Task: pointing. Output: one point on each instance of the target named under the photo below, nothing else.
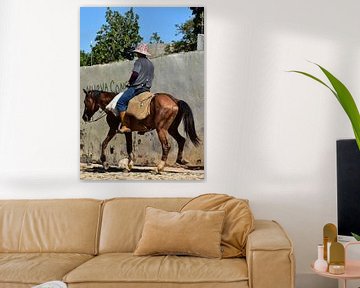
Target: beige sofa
(89, 243)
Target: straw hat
(142, 49)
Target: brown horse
(166, 113)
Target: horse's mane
(98, 92)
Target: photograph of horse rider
(139, 82)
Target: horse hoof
(182, 162)
(131, 164)
(160, 167)
(106, 165)
(124, 164)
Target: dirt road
(97, 172)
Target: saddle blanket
(139, 106)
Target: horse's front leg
(129, 149)
(104, 144)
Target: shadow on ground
(141, 169)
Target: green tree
(85, 59)
(155, 38)
(117, 37)
(198, 20)
(190, 29)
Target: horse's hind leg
(169, 116)
(173, 131)
(162, 133)
(129, 149)
(104, 144)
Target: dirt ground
(97, 172)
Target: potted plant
(346, 100)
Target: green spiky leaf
(356, 236)
(344, 97)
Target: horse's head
(91, 105)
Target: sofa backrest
(67, 226)
(123, 220)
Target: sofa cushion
(238, 223)
(127, 268)
(123, 220)
(63, 226)
(193, 232)
(36, 268)
(15, 285)
(236, 284)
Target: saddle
(139, 106)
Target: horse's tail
(188, 119)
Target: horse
(166, 114)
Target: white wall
(270, 135)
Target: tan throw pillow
(239, 220)
(196, 233)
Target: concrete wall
(157, 49)
(181, 75)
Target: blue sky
(151, 19)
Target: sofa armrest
(269, 256)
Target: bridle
(103, 113)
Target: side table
(352, 268)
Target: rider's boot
(123, 128)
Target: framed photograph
(142, 93)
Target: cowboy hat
(142, 49)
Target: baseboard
(310, 280)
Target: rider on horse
(139, 82)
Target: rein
(102, 115)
